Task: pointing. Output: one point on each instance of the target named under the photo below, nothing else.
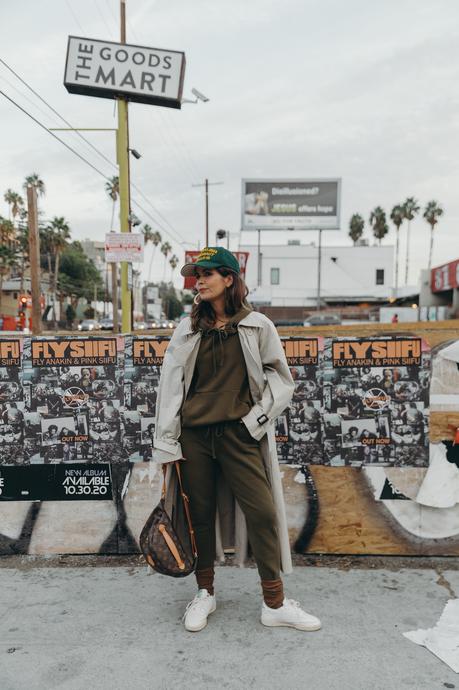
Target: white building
(286, 275)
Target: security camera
(134, 220)
(199, 95)
(135, 153)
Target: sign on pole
(110, 70)
(123, 246)
(287, 204)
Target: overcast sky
(357, 89)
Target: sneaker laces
(198, 599)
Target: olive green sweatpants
(229, 448)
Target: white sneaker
(291, 615)
(197, 611)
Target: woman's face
(210, 284)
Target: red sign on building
(191, 257)
(445, 277)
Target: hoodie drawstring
(214, 431)
(220, 335)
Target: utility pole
(34, 253)
(207, 184)
(319, 270)
(122, 147)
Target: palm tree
(397, 216)
(431, 214)
(410, 209)
(7, 232)
(35, 180)
(378, 223)
(59, 234)
(14, 201)
(156, 239)
(165, 249)
(113, 190)
(8, 260)
(356, 226)
(173, 261)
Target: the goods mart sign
(123, 246)
(110, 70)
(445, 277)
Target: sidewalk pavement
(97, 628)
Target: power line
(23, 81)
(74, 15)
(54, 135)
(83, 138)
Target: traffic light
(23, 303)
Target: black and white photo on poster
(298, 429)
(378, 388)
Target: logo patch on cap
(207, 254)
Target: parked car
(106, 324)
(89, 325)
(322, 319)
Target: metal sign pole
(319, 269)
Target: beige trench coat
(271, 386)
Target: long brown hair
(203, 315)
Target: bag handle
(186, 502)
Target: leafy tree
(70, 315)
(397, 216)
(171, 304)
(7, 233)
(410, 210)
(356, 226)
(78, 275)
(113, 190)
(378, 223)
(432, 212)
(89, 312)
(8, 261)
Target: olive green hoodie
(219, 390)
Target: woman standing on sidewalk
(224, 381)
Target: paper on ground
(443, 639)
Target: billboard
(290, 204)
(110, 70)
(192, 256)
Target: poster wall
(357, 402)
(92, 400)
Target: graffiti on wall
(375, 508)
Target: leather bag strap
(186, 502)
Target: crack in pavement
(443, 582)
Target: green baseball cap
(213, 257)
